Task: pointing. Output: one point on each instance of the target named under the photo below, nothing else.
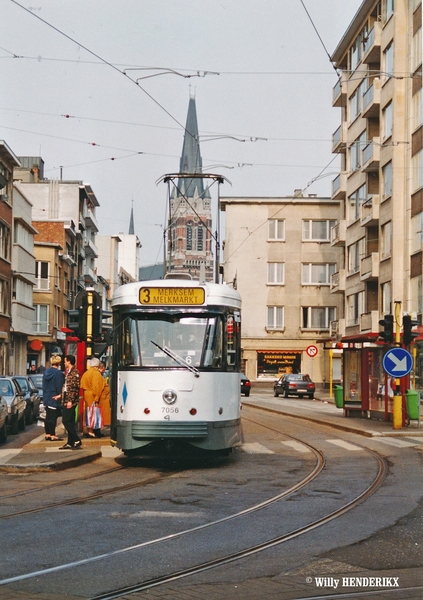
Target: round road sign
(312, 351)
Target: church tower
(190, 217)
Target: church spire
(191, 161)
(131, 221)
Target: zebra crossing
(296, 446)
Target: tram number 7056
(167, 410)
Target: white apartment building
(380, 185)
(277, 252)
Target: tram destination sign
(183, 296)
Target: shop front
(273, 364)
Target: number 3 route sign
(312, 351)
(397, 362)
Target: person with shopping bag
(92, 383)
(70, 400)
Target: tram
(176, 366)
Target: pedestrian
(53, 380)
(70, 400)
(92, 383)
(104, 402)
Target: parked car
(294, 384)
(3, 420)
(245, 385)
(37, 379)
(32, 397)
(16, 405)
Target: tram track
(230, 557)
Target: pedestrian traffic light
(408, 334)
(388, 329)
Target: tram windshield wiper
(178, 359)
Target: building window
(22, 292)
(417, 169)
(355, 202)
(355, 304)
(386, 239)
(317, 274)
(417, 110)
(416, 57)
(23, 237)
(42, 275)
(317, 231)
(388, 9)
(386, 298)
(388, 60)
(4, 297)
(417, 294)
(275, 316)
(4, 241)
(356, 100)
(41, 318)
(417, 232)
(387, 180)
(387, 121)
(318, 317)
(357, 48)
(276, 273)
(355, 254)
(356, 152)
(189, 236)
(277, 229)
(200, 231)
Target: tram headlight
(170, 396)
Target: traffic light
(407, 327)
(77, 322)
(388, 329)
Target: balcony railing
(371, 155)
(371, 45)
(370, 211)
(338, 233)
(339, 92)
(339, 186)
(337, 281)
(370, 321)
(371, 100)
(339, 139)
(369, 268)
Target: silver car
(16, 404)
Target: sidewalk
(40, 455)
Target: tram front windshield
(145, 340)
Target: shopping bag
(94, 417)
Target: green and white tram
(176, 366)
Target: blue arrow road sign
(397, 362)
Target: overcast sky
(265, 78)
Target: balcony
(339, 186)
(337, 281)
(90, 248)
(338, 233)
(370, 211)
(371, 156)
(371, 49)
(339, 139)
(369, 268)
(370, 321)
(90, 220)
(339, 92)
(371, 100)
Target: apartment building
(380, 184)
(277, 253)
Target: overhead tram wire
(320, 37)
(103, 60)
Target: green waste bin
(339, 396)
(413, 404)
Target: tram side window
(213, 343)
(232, 341)
(130, 354)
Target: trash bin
(413, 404)
(339, 396)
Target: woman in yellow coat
(92, 383)
(105, 397)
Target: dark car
(245, 385)
(37, 379)
(3, 420)
(294, 384)
(16, 405)
(32, 397)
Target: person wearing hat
(53, 380)
(92, 383)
